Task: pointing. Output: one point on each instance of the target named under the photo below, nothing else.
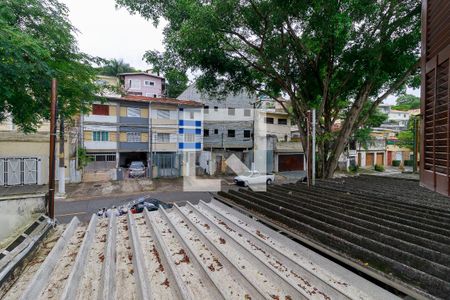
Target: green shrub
(408, 163)
(379, 168)
(396, 163)
(353, 168)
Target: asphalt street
(83, 209)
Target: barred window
(134, 112)
(163, 114)
(189, 137)
(133, 137)
(163, 137)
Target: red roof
(172, 101)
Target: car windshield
(136, 164)
(248, 173)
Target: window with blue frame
(100, 136)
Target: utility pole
(51, 173)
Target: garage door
(290, 162)
(369, 159)
(380, 159)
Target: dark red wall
(435, 129)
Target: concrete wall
(16, 212)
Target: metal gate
(168, 164)
(30, 171)
(13, 171)
(2, 171)
(18, 171)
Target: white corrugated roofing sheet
(203, 251)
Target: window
(149, 83)
(133, 137)
(100, 136)
(216, 108)
(206, 109)
(246, 112)
(231, 133)
(189, 137)
(163, 114)
(135, 84)
(216, 131)
(163, 137)
(282, 121)
(206, 132)
(247, 134)
(133, 112)
(100, 109)
(269, 120)
(231, 111)
(191, 115)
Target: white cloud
(108, 32)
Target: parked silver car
(136, 169)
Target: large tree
(407, 102)
(115, 66)
(37, 44)
(341, 57)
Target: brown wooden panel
(369, 159)
(290, 162)
(435, 106)
(380, 159)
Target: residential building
(397, 120)
(24, 158)
(143, 84)
(283, 154)
(228, 128)
(155, 131)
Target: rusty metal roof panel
(203, 251)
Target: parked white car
(254, 177)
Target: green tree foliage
(176, 78)
(37, 43)
(335, 56)
(115, 66)
(406, 137)
(362, 135)
(407, 102)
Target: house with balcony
(227, 130)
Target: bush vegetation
(379, 168)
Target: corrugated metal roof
(203, 251)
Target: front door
(380, 159)
(369, 159)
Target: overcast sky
(113, 33)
